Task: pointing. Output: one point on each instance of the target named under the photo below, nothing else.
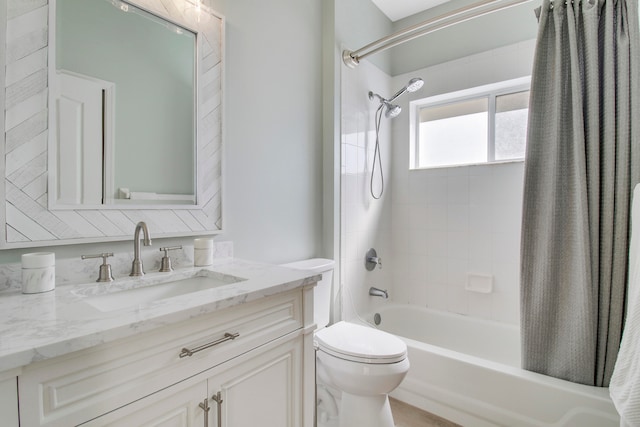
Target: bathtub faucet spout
(375, 292)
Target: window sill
(500, 162)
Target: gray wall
(360, 22)
(273, 170)
(273, 154)
(491, 31)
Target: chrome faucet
(136, 267)
(375, 292)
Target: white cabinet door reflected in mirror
(85, 124)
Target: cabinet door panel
(9, 402)
(174, 407)
(265, 391)
(272, 407)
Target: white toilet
(363, 363)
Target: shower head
(392, 110)
(413, 85)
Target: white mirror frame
(28, 221)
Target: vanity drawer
(75, 388)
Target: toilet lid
(360, 343)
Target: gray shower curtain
(582, 162)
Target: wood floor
(406, 415)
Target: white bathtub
(467, 370)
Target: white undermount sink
(148, 294)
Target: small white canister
(38, 272)
(202, 252)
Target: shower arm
(375, 95)
(413, 85)
(484, 7)
(397, 94)
(384, 102)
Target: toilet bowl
(363, 364)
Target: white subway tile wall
(470, 226)
(366, 223)
(431, 227)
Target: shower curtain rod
(352, 58)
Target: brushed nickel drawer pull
(227, 337)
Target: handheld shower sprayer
(390, 111)
(393, 110)
(413, 85)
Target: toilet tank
(322, 292)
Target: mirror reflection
(125, 96)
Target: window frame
(490, 91)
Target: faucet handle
(372, 259)
(375, 260)
(104, 274)
(165, 265)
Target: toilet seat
(361, 344)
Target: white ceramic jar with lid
(202, 252)
(38, 272)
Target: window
(480, 125)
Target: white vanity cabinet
(257, 355)
(260, 388)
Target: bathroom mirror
(109, 208)
(123, 98)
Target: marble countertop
(40, 326)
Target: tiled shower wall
(460, 221)
(431, 227)
(452, 222)
(366, 222)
